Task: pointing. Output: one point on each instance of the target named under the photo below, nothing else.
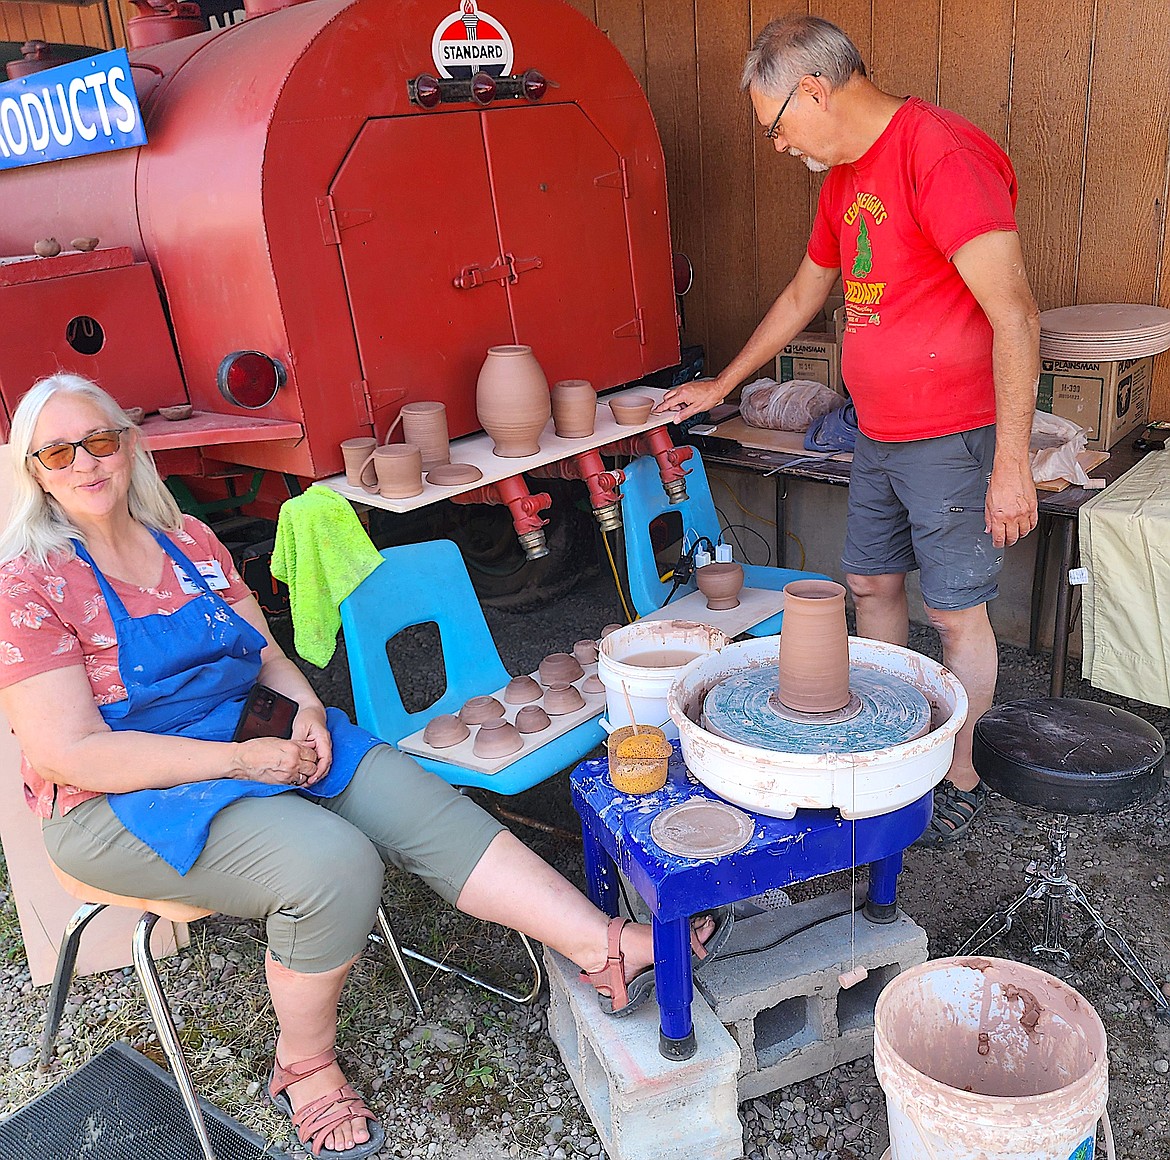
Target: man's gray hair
(791, 47)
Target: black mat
(121, 1106)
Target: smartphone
(266, 713)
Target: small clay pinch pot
(444, 731)
(176, 413)
(592, 684)
(497, 738)
(135, 414)
(557, 668)
(585, 652)
(84, 244)
(608, 629)
(630, 409)
(477, 710)
(561, 698)
(532, 719)
(522, 690)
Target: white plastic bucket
(987, 1059)
(646, 657)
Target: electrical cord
(685, 568)
(763, 519)
(630, 618)
(725, 955)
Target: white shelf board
(478, 450)
(755, 605)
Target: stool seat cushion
(1068, 756)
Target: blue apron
(188, 675)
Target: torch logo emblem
(468, 41)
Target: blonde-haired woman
(128, 644)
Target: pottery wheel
(742, 709)
(702, 829)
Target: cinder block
(645, 1107)
(775, 988)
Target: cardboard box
(1108, 399)
(813, 355)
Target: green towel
(322, 553)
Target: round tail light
(535, 86)
(249, 378)
(427, 91)
(483, 88)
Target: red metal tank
(293, 200)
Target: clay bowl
(135, 414)
(444, 731)
(585, 652)
(477, 710)
(522, 690)
(532, 719)
(608, 629)
(177, 412)
(497, 738)
(592, 684)
(560, 668)
(721, 584)
(561, 698)
(629, 410)
(84, 244)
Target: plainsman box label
(83, 107)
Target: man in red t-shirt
(940, 354)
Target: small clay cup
(497, 739)
(425, 425)
(585, 651)
(574, 408)
(444, 731)
(721, 584)
(532, 719)
(629, 410)
(398, 468)
(135, 414)
(177, 413)
(561, 698)
(608, 629)
(560, 668)
(522, 691)
(477, 710)
(355, 452)
(592, 684)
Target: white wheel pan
(860, 785)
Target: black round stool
(1066, 756)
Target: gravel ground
(482, 1080)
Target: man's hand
(693, 397)
(1011, 503)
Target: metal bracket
(506, 270)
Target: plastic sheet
(1056, 442)
(789, 406)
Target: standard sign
(73, 110)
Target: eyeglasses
(773, 130)
(101, 445)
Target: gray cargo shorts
(921, 505)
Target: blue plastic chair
(418, 583)
(643, 500)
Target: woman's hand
(275, 761)
(309, 729)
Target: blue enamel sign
(73, 110)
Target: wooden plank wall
(1076, 92)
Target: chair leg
(168, 1034)
(519, 1000)
(392, 945)
(63, 976)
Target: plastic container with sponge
(638, 760)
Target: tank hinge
(635, 328)
(334, 220)
(618, 179)
(362, 400)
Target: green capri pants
(310, 867)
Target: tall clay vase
(814, 647)
(512, 400)
(425, 425)
(574, 408)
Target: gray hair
(791, 47)
(37, 527)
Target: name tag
(212, 573)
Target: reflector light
(250, 378)
(483, 88)
(535, 86)
(427, 90)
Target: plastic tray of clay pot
(551, 696)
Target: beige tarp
(1125, 545)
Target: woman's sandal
(952, 814)
(704, 953)
(318, 1118)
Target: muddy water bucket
(647, 656)
(986, 1059)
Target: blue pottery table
(616, 831)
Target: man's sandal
(952, 814)
(318, 1118)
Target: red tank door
(560, 202)
(413, 209)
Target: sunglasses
(101, 445)
(773, 130)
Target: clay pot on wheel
(721, 584)
(814, 647)
(512, 400)
(574, 408)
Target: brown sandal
(623, 997)
(318, 1118)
